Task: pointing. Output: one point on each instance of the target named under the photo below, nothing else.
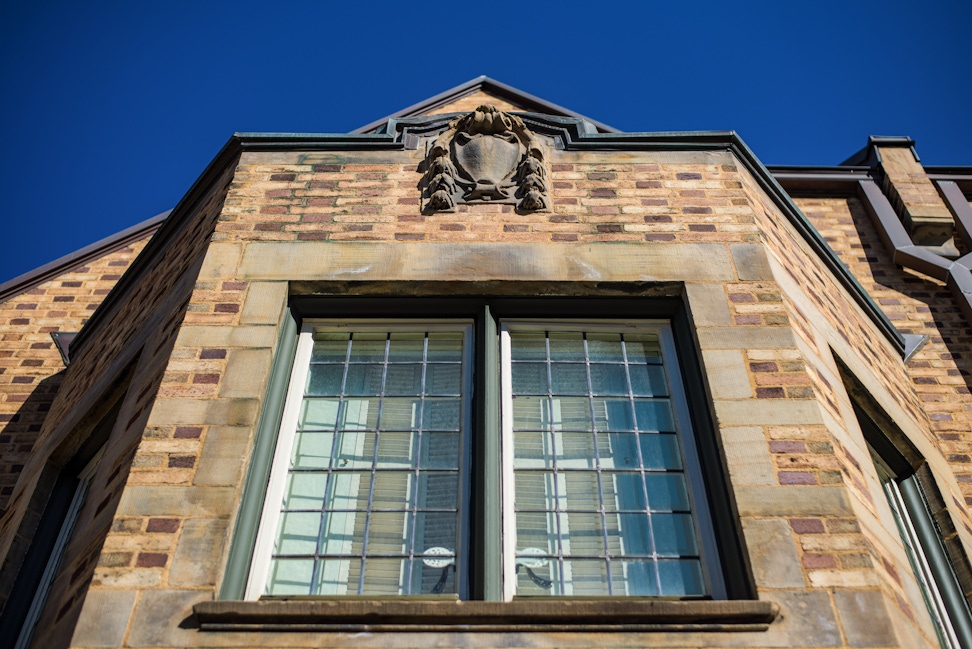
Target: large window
(389, 479)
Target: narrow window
(601, 499)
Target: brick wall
(30, 364)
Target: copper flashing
(516, 96)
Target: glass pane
(570, 413)
(438, 490)
(348, 490)
(539, 489)
(358, 414)
(528, 346)
(388, 533)
(441, 414)
(660, 451)
(329, 348)
(364, 380)
(384, 577)
(531, 413)
(655, 414)
(674, 534)
(582, 534)
(445, 346)
(638, 578)
(585, 578)
(613, 414)
(604, 347)
(443, 379)
(297, 533)
(399, 413)
(354, 450)
(338, 532)
(581, 491)
(537, 575)
(666, 492)
(623, 491)
(618, 450)
(290, 577)
(305, 490)
(435, 530)
(391, 490)
(536, 533)
(367, 348)
(642, 348)
(406, 347)
(681, 578)
(608, 379)
(568, 378)
(439, 451)
(404, 380)
(312, 450)
(337, 577)
(648, 381)
(529, 378)
(575, 450)
(320, 414)
(633, 534)
(431, 578)
(566, 346)
(532, 450)
(325, 380)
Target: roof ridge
(494, 87)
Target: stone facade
(187, 343)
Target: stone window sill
(596, 615)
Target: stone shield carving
(487, 156)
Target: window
(487, 458)
(922, 540)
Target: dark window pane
(608, 379)
(648, 381)
(654, 415)
(569, 378)
(324, 380)
(363, 380)
(529, 378)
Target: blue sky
(112, 109)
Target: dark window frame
(486, 312)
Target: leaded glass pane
(371, 500)
(601, 503)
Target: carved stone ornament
(487, 156)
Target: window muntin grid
(601, 504)
(370, 498)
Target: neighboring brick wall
(916, 304)
(30, 365)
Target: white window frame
(266, 534)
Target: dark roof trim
(29, 280)
(869, 156)
(571, 133)
(819, 180)
(514, 95)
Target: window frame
(621, 303)
(267, 531)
